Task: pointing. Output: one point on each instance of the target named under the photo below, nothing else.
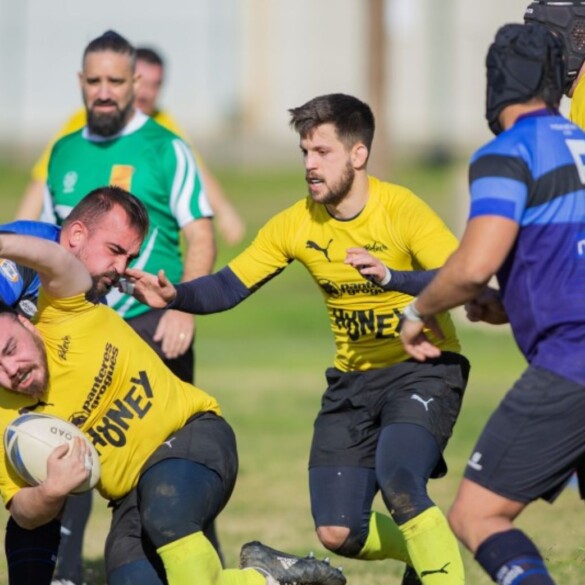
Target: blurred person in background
(120, 145)
(150, 70)
(526, 225)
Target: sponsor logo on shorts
(314, 246)
(474, 461)
(9, 270)
(69, 182)
(424, 402)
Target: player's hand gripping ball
(32, 437)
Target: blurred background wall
(236, 66)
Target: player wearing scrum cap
(526, 225)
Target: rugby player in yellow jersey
(105, 231)
(168, 458)
(385, 419)
(150, 70)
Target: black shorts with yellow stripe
(357, 405)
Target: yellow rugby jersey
(77, 121)
(109, 382)
(396, 227)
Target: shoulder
(392, 196)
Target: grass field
(265, 360)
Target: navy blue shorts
(534, 441)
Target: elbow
(475, 278)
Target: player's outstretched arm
(156, 291)
(62, 274)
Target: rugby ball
(32, 437)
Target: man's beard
(100, 289)
(107, 124)
(339, 190)
(38, 387)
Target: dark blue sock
(31, 554)
(510, 558)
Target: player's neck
(354, 202)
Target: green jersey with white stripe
(153, 164)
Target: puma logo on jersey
(443, 570)
(34, 407)
(315, 246)
(425, 403)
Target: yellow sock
(433, 549)
(193, 558)
(385, 540)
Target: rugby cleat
(285, 569)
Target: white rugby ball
(32, 437)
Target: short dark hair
(111, 41)
(149, 55)
(352, 118)
(100, 201)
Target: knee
(341, 540)
(332, 537)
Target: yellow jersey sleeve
(41, 168)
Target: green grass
(265, 362)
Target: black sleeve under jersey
(410, 282)
(210, 294)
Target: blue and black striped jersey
(534, 174)
(19, 285)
